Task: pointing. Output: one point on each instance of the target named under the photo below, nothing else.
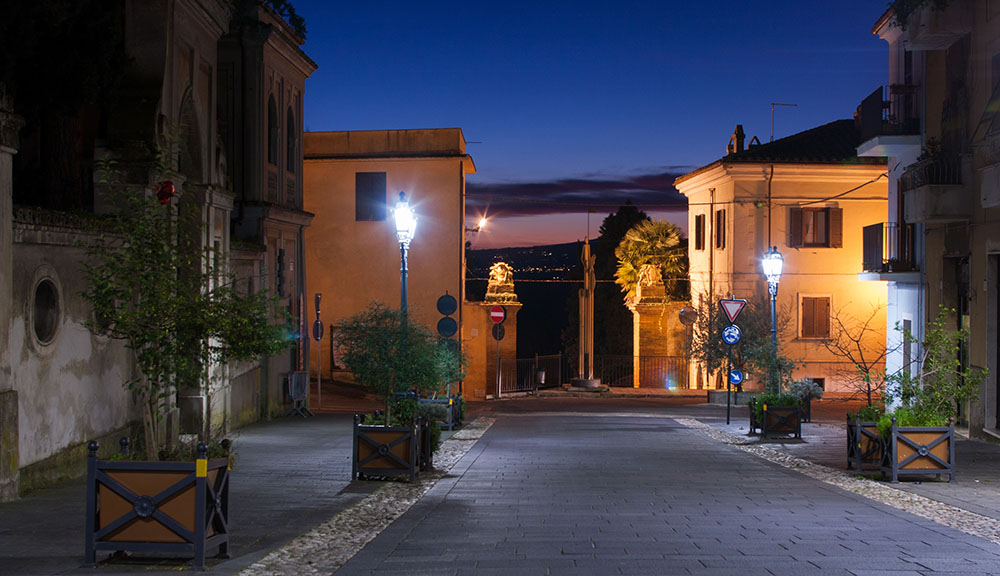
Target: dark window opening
(699, 232)
(720, 229)
(369, 196)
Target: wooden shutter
(699, 232)
(815, 317)
(836, 227)
(795, 227)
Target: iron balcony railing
(939, 169)
(888, 247)
(890, 110)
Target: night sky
(574, 107)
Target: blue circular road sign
(735, 376)
(731, 334)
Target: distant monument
(500, 288)
(585, 373)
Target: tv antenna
(773, 104)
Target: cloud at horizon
(571, 195)
(555, 211)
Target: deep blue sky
(577, 104)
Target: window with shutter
(720, 229)
(699, 232)
(815, 314)
(816, 227)
(369, 196)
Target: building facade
(937, 122)
(61, 385)
(352, 181)
(808, 195)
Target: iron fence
(529, 374)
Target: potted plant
(918, 432)
(778, 414)
(805, 390)
(390, 355)
(154, 286)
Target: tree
(857, 341)
(655, 243)
(931, 389)
(170, 301)
(388, 354)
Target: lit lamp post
(771, 263)
(406, 223)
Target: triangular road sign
(732, 307)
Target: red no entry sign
(498, 314)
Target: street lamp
(772, 269)
(406, 223)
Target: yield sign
(732, 307)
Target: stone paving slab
(610, 494)
(290, 475)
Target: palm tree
(652, 245)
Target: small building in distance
(809, 195)
(352, 181)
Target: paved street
(587, 493)
(562, 485)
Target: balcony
(933, 192)
(931, 28)
(887, 252)
(889, 123)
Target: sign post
(498, 314)
(731, 336)
(318, 336)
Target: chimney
(736, 141)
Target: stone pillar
(660, 340)
(9, 458)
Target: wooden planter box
(386, 450)
(807, 410)
(454, 412)
(781, 421)
(158, 507)
(864, 445)
(754, 424)
(919, 451)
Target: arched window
(291, 135)
(272, 131)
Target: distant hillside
(549, 262)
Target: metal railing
(890, 110)
(888, 247)
(940, 169)
(552, 371)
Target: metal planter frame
(386, 450)
(919, 451)
(781, 420)
(136, 506)
(864, 445)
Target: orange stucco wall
(354, 263)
